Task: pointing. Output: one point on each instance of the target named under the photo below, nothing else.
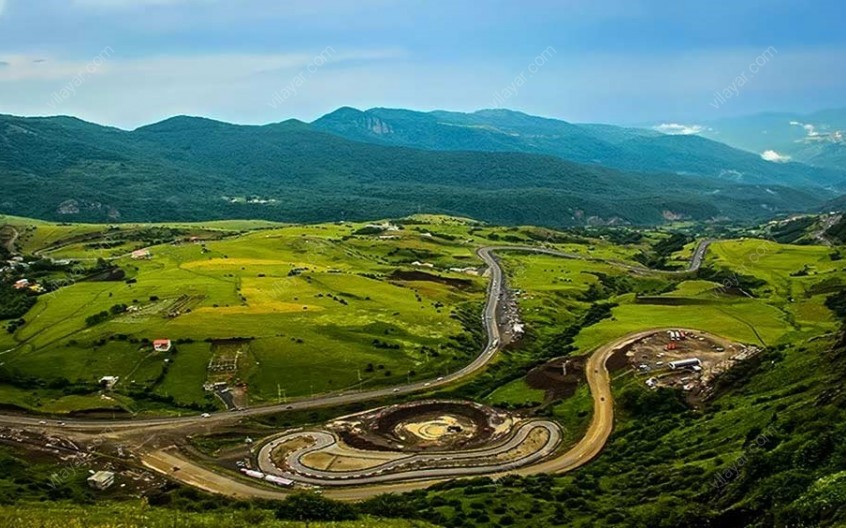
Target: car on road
(42, 422)
(205, 415)
(395, 390)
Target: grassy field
(518, 392)
(787, 308)
(318, 309)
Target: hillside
(137, 515)
(197, 169)
(622, 148)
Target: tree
(310, 506)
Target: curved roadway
(587, 448)
(394, 470)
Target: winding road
(598, 379)
(476, 461)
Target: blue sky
(132, 62)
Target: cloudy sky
(132, 62)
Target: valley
(469, 264)
(425, 280)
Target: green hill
(185, 169)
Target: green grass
(740, 320)
(658, 468)
(574, 414)
(518, 392)
(137, 515)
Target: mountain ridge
(189, 168)
(629, 149)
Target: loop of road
(412, 467)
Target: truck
(279, 481)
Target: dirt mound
(550, 377)
(109, 275)
(402, 275)
(426, 426)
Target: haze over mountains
(494, 165)
(817, 139)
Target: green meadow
(316, 308)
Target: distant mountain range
(629, 149)
(818, 139)
(499, 166)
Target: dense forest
(197, 169)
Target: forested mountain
(628, 149)
(192, 169)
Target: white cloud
(676, 129)
(815, 136)
(775, 157)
